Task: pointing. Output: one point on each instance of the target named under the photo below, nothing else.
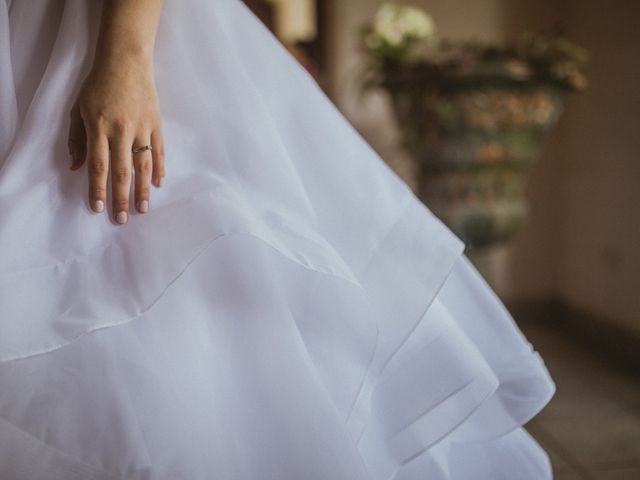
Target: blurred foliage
(401, 40)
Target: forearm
(127, 32)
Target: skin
(117, 110)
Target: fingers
(109, 151)
(143, 164)
(77, 139)
(120, 177)
(157, 152)
(98, 161)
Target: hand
(117, 110)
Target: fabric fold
(444, 386)
(117, 282)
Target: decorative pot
(475, 139)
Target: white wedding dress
(287, 309)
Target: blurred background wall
(581, 246)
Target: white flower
(416, 23)
(392, 33)
(385, 25)
(396, 24)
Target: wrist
(124, 41)
(127, 58)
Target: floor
(591, 428)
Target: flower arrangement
(472, 115)
(402, 38)
(396, 31)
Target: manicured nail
(121, 217)
(98, 206)
(144, 206)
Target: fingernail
(121, 217)
(160, 181)
(98, 206)
(144, 206)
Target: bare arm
(117, 110)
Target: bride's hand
(117, 110)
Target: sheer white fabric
(287, 309)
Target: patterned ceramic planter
(475, 140)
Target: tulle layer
(287, 309)
(254, 366)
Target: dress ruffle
(276, 351)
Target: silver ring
(141, 149)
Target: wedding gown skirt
(287, 309)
